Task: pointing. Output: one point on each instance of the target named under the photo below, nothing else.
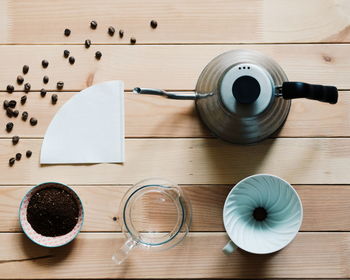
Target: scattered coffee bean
(20, 79)
(12, 161)
(87, 43)
(114, 218)
(42, 92)
(9, 112)
(66, 53)
(33, 121)
(67, 32)
(23, 99)
(98, 55)
(10, 88)
(46, 79)
(27, 87)
(24, 116)
(28, 153)
(54, 99)
(45, 63)
(6, 104)
(111, 31)
(121, 33)
(15, 113)
(25, 69)
(18, 156)
(60, 85)
(15, 140)
(12, 103)
(9, 126)
(133, 40)
(71, 60)
(154, 23)
(93, 24)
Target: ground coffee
(52, 211)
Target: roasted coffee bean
(24, 116)
(12, 161)
(20, 79)
(15, 140)
(42, 92)
(121, 33)
(28, 153)
(12, 103)
(44, 63)
(9, 112)
(98, 55)
(67, 32)
(111, 31)
(66, 53)
(18, 156)
(33, 121)
(6, 104)
(46, 79)
(60, 85)
(87, 43)
(154, 23)
(71, 60)
(54, 99)
(25, 69)
(93, 24)
(27, 87)
(23, 99)
(15, 113)
(9, 126)
(133, 40)
(10, 88)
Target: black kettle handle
(292, 90)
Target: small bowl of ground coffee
(51, 214)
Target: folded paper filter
(89, 128)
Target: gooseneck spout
(172, 95)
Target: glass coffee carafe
(154, 215)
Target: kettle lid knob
(246, 89)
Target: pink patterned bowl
(48, 241)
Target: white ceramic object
(283, 221)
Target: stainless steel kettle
(243, 97)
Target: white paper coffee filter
(89, 128)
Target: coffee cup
(262, 214)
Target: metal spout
(171, 95)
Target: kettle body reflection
(243, 96)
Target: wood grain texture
(182, 21)
(326, 207)
(310, 255)
(192, 161)
(153, 116)
(174, 67)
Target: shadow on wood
(42, 255)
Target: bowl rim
(297, 196)
(78, 200)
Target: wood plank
(206, 21)
(192, 161)
(326, 207)
(310, 255)
(168, 67)
(152, 116)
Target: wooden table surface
(309, 39)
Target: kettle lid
(246, 89)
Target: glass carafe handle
(122, 253)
